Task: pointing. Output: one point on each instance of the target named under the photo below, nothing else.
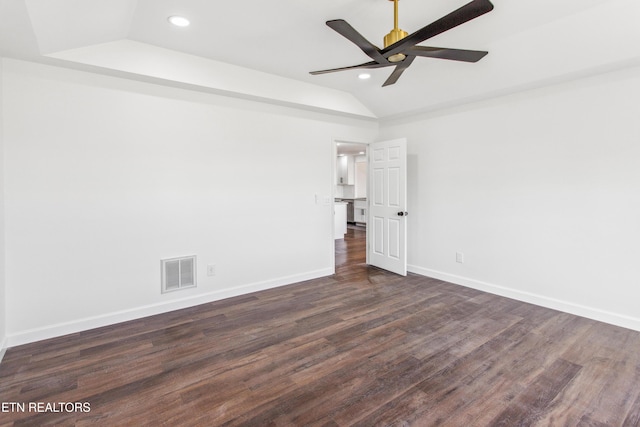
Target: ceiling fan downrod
(395, 35)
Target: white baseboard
(80, 325)
(541, 300)
(3, 348)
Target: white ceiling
(350, 148)
(530, 43)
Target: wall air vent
(178, 273)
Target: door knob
(403, 213)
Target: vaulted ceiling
(265, 49)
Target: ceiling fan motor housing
(395, 35)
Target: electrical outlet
(459, 257)
(211, 270)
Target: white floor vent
(178, 273)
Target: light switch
(211, 270)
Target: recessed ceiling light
(364, 76)
(179, 21)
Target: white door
(387, 225)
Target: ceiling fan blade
(371, 64)
(399, 70)
(445, 53)
(459, 16)
(343, 28)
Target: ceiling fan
(400, 48)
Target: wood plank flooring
(361, 348)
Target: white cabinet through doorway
(360, 211)
(346, 170)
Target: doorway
(384, 216)
(350, 203)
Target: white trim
(541, 300)
(3, 348)
(80, 325)
(332, 206)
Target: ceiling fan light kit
(401, 48)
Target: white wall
(3, 300)
(106, 176)
(539, 190)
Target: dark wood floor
(362, 348)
